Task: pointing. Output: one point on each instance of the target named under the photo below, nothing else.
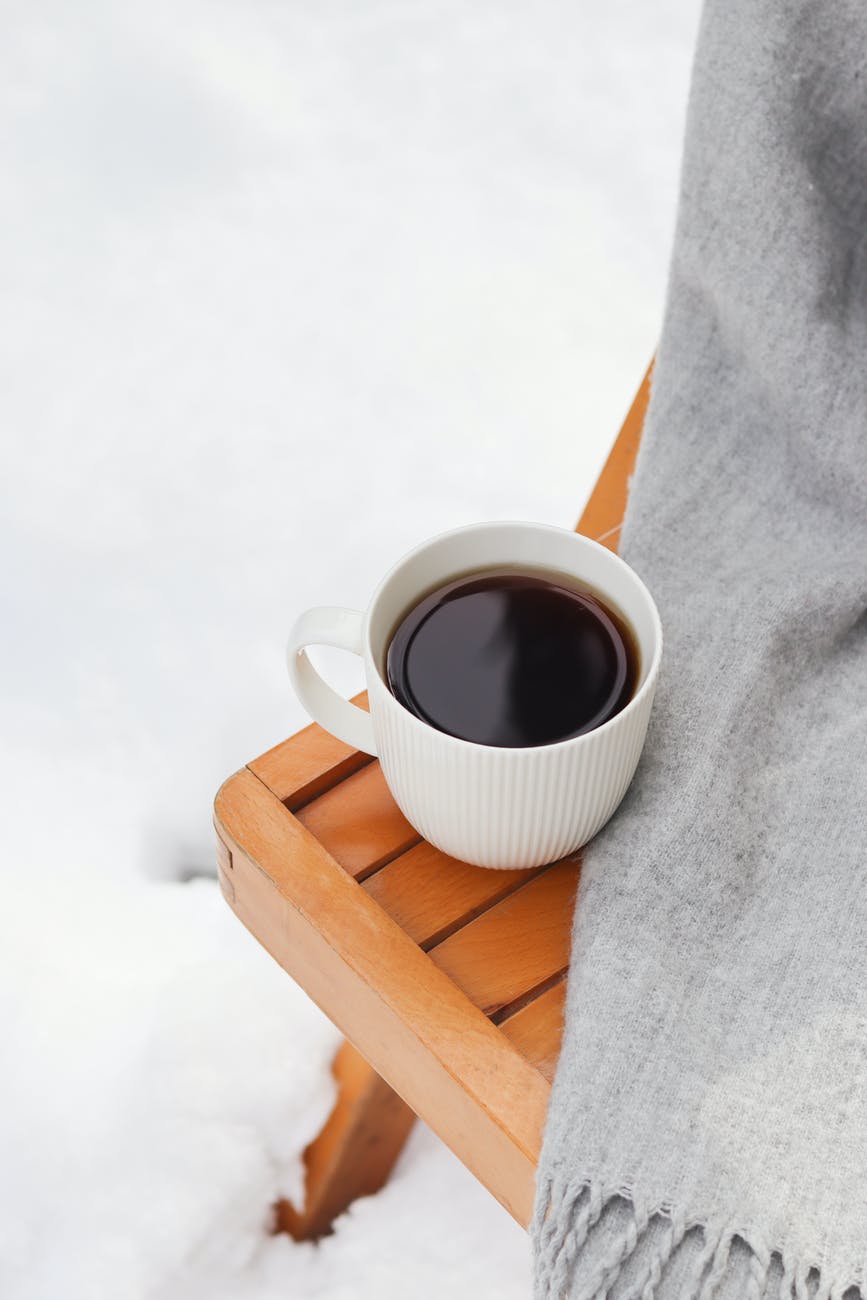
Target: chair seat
(315, 850)
(449, 979)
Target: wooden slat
(430, 894)
(536, 1029)
(407, 1017)
(302, 767)
(355, 1151)
(359, 823)
(603, 514)
(516, 946)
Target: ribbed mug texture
(509, 807)
(490, 806)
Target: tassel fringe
(591, 1243)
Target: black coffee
(512, 659)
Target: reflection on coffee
(513, 659)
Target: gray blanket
(707, 1134)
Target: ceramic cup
(492, 806)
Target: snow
(287, 288)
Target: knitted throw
(707, 1133)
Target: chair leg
(354, 1153)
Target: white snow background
(285, 289)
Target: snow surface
(286, 288)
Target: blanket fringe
(594, 1243)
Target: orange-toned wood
(537, 1028)
(420, 1032)
(518, 945)
(431, 895)
(603, 514)
(354, 1153)
(359, 823)
(409, 962)
(300, 768)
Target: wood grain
(418, 1030)
(359, 823)
(355, 1151)
(517, 945)
(537, 1028)
(430, 895)
(311, 761)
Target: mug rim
(644, 689)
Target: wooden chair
(447, 980)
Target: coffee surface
(512, 659)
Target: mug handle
(341, 628)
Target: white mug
(491, 806)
